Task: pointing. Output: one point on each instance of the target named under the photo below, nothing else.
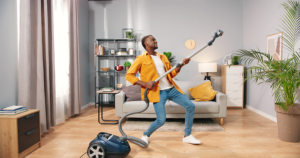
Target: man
(151, 66)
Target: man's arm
(130, 75)
(148, 85)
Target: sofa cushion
(185, 85)
(130, 106)
(202, 107)
(132, 92)
(203, 92)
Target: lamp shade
(207, 67)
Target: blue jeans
(177, 97)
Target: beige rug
(138, 124)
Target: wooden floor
(246, 134)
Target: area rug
(171, 125)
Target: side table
(20, 134)
(100, 106)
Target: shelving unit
(111, 77)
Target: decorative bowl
(104, 68)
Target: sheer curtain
(66, 41)
(62, 57)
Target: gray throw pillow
(132, 92)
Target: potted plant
(282, 75)
(235, 60)
(129, 34)
(127, 65)
(169, 56)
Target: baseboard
(262, 113)
(87, 105)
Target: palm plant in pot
(282, 75)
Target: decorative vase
(101, 50)
(229, 62)
(289, 123)
(119, 67)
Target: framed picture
(274, 45)
(127, 30)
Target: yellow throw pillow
(203, 92)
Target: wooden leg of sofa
(221, 121)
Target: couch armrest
(119, 100)
(221, 99)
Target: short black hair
(144, 39)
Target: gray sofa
(203, 109)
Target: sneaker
(191, 139)
(145, 138)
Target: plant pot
(289, 123)
(127, 68)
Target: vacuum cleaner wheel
(96, 150)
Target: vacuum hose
(138, 141)
(134, 140)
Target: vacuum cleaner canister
(106, 145)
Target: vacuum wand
(216, 34)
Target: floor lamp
(207, 67)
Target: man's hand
(149, 85)
(185, 61)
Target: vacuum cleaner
(106, 145)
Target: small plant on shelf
(129, 34)
(127, 65)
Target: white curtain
(62, 58)
(65, 38)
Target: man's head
(150, 42)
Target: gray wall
(172, 22)
(258, 23)
(8, 53)
(84, 51)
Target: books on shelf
(96, 49)
(99, 50)
(107, 89)
(13, 107)
(12, 110)
(121, 53)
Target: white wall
(172, 22)
(8, 53)
(260, 19)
